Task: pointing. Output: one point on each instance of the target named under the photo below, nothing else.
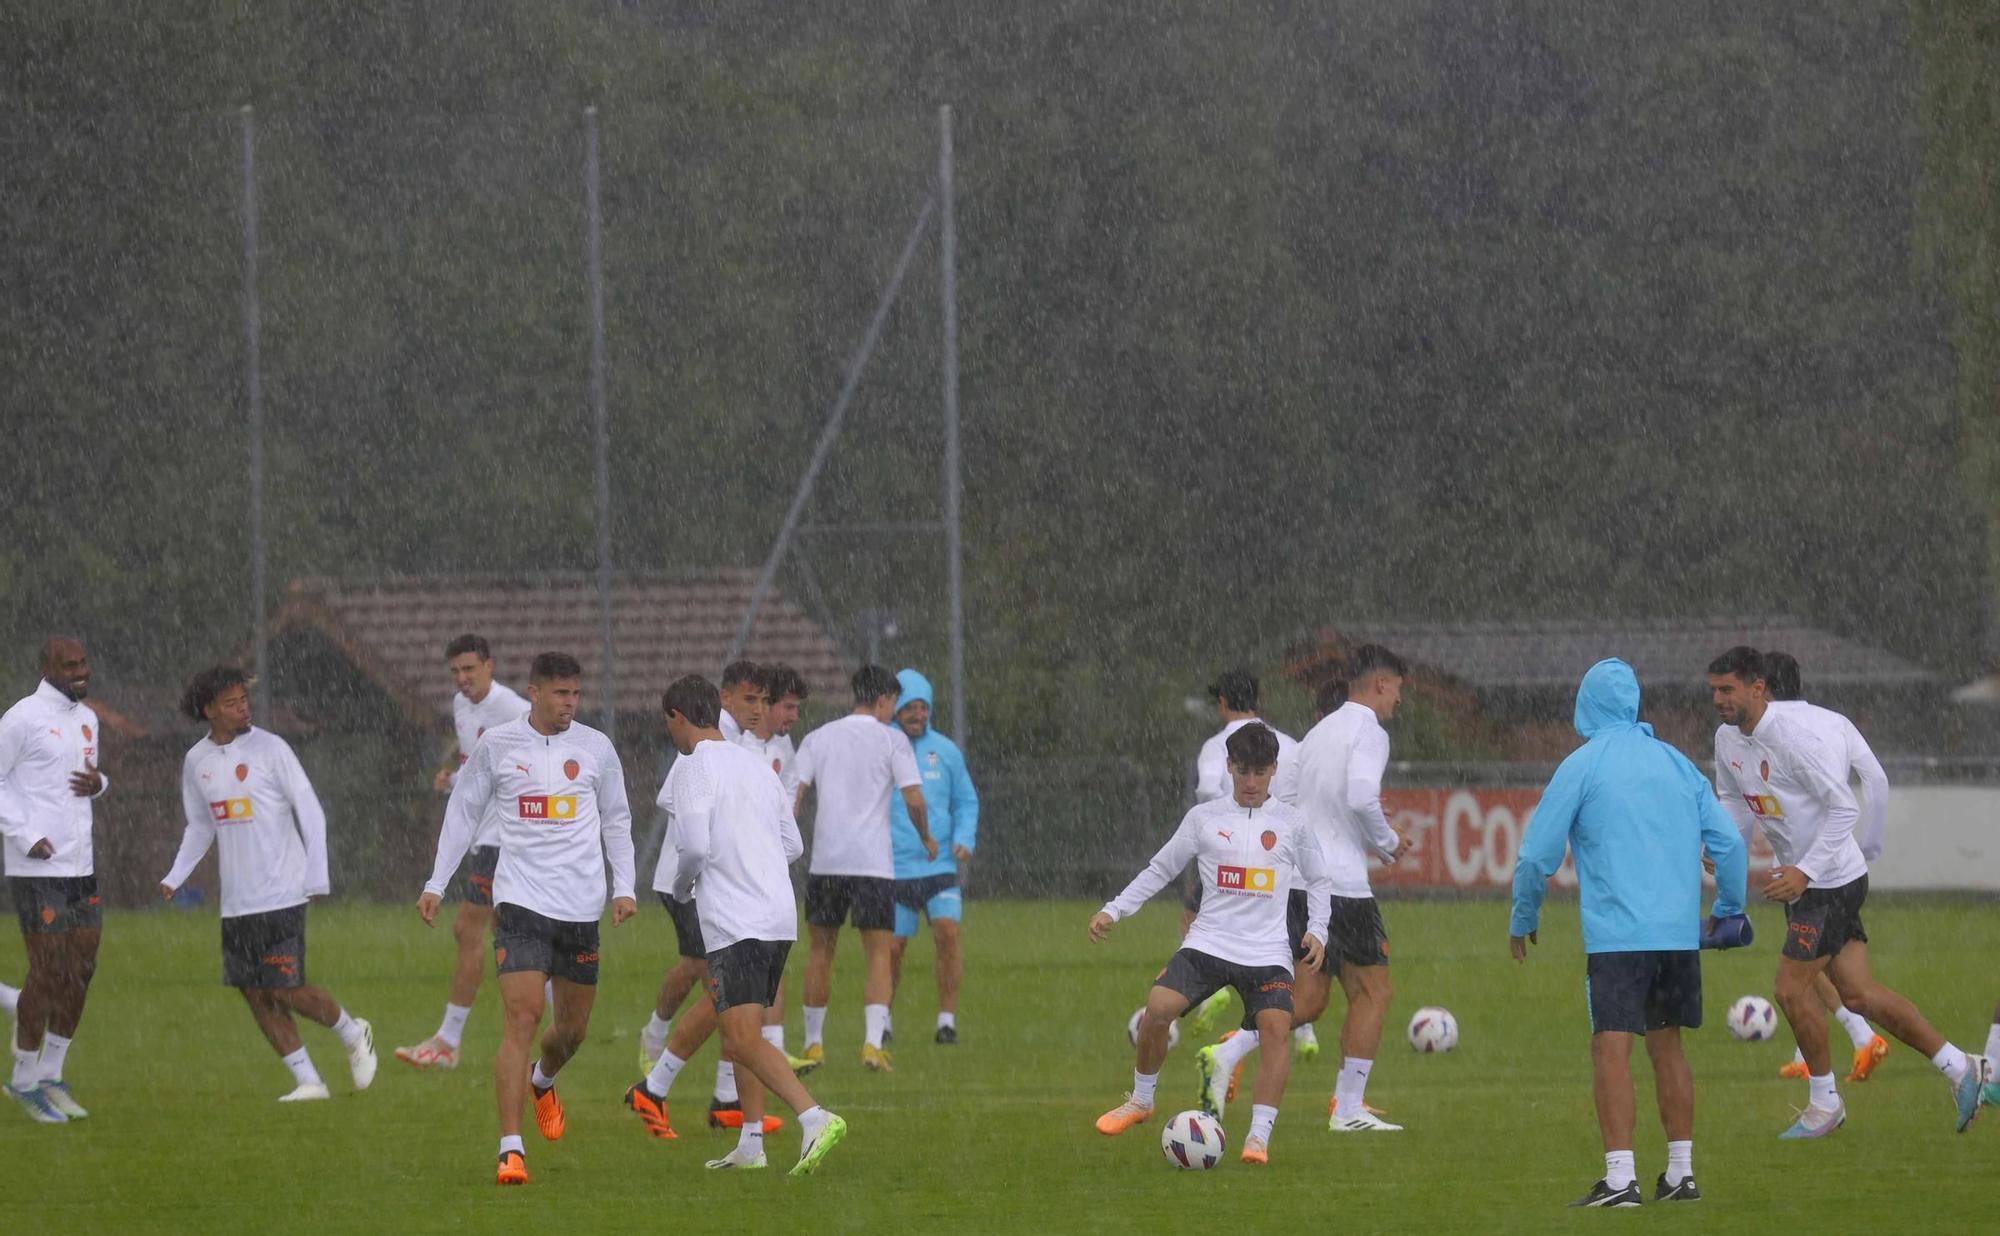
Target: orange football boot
(548, 1112)
(1796, 1070)
(652, 1112)
(1866, 1058)
(1123, 1117)
(1256, 1151)
(734, 1120)
(513, 1168)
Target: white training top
(1341, 763)
(731, 730)
(1249, 859)
(250, 798)
(472, 721)
(778, 752)
(730, 842)
(1840, 736)
(563, 817)
(1211, 766)
(854, 765)
(1786, 779)
(43, 739)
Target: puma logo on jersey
(1223, 835)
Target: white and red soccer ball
(1193, 1140)
(1753, 1019)
(1433, 1029)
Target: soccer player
(930, 885)
(854, 766)
(48, 778)
(1771, 768)
(479, 705)
(1253, 852)
(244, 792)
(745, 693)
(565, 818)
(1781, 671)
(1235, 696)
(1638, 816)
(732, 839)
(771, 741)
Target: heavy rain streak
(919, 596)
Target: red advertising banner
(1469, 838)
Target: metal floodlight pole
(953, 482)
(253, 382)
(594, 260)
(830, 433)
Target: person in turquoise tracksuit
(924, 884)
(1638, 816)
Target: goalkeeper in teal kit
(925, 885)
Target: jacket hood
(1609, 696)
(915, 687)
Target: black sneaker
(1682, 1192)
(948, 1035)
(717, 1105)
(1603, 1195)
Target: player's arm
(1825, 779)
(1364, 795)
(803, 772)
(1874, 793)
(964, 809)
(1723, 845)
(788, 827)
(312, 823)
(447, 772)
(14, 820)
(1311, 863)
(1158, 873)
(195, 839)
(471, 793)
(614, 824)
(1731, 794)
(1542, 849)
(903, 767)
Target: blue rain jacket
(950, 800)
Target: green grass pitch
(995, 1134)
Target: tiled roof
(1532, 655)
(396, 629)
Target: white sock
(539, 1079)
(302, 1068)
(549, 995)
(27, 1066)
(1824, 1096)
(775, 1036)
(725, 1082)
(1951, 1062)
(1856, 1026)
(1234, 1050)
(452, 1028)
(1143, 1085)
(1993, 1043)
(876, 1017)
(1261, 1120)
(1680, 1161)
(1618, 1169)
(347, 1029)
(1304, 1034)
(661, 1079)
(657, 1028)
(10, 999)
(812, 1120)
(1798, 1057)
(513, 1142)
(1353, 1083)
(750, 1140)
(947, 1019)
(815, 1025)
(54, 1048)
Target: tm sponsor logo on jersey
(231, 811)
(1246, 879)
(1765, 805)
(548, 806)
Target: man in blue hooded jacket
(1638, 816)
(926, 884)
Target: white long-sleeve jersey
(1792, 784)
(471, 721)
(854, 765)
(731, 839)
(1841, 736)
(251, 799)
(1211, 765)
(1341, 763)
(43, 739)
(1249, 860)
(563, 817)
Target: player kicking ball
(246, 794)
(1250, 850)
(732, 838)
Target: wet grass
(992, 1135)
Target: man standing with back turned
(1638, 816)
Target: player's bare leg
(274, 1017)
(1893, 1012)
(876, 989)
(470, 928)
(1164, 1006)
(1794, 993)
(743, 1040)
(47, 960)
(820, 945)
(1274, 1032)
(1673, 1091)
(1368, 993)
(950, 963)
(520, 1015)
(679, 980)
(72, 979)
(1617, 1112)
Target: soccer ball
(1752, 1019)
(1192, 1140)
(1433, 1029)
(1132, 1029)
